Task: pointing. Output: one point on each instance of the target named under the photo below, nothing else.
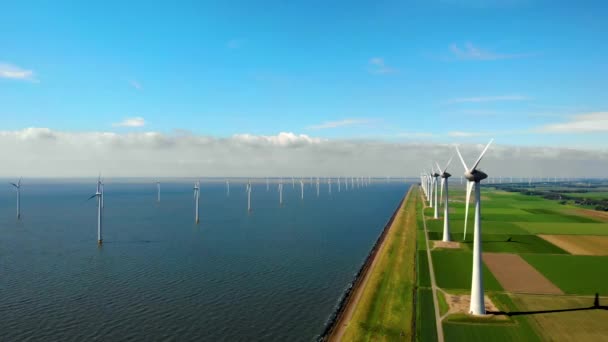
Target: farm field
(564, 318)
(580, 244)
(512, 225)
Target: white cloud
(581, 123)
(378, 66)
(13, 72)
(489, 99)
(341, 123)
(43, 152)
(471, 52)
(131, 122)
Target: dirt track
(516, 275)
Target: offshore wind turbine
(475, 176)
(102, 194)
(248, 196)
(98, 194)
(18, 188)
(281, 192)
(227, 187)
(317, 186)
(446, 212)
(302, 188)
(293, 182)
(158, 192)
(197, 190)
(338, 183)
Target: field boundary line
(438, 319)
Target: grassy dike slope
(384, 311)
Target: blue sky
(525, 72)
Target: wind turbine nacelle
(446, 175)
(435, 175)
(475, 176)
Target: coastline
(339, 320)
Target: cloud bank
(42, 152)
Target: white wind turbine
(281, 192)
(338, 183)
(248, 196)
(18, 188)
(227, 187)
(444, 179)
(435, 175)
(197, 190)
(98, 194)
(293, 182)
(102, 194)
(475, 177)
(302, 187)
(158, 192)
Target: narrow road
(440, 337)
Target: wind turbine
(98, 194)
(227, 187)
(102, 194)
(475, 176)
(158, 192)
(197, 190)
(435, 175)
(281, 192)
(338, 183)
(293, 182)
(248, 196)
(446, 221)
(302, 187)
(18, 187)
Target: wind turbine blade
(448, 164)
(466, 168)
(438, 167)
(466, 207)
(481, 155)
(13, 184)
(90, 198)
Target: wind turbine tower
(435, 176)
(98, 195)
(475, 176)
(281, 192)
(158, 192)
(18, 188)
(302, 188)
(248, 196)
(197, 190)
(446, 212)
(227, 187)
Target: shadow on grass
(596, 306)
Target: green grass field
(566, 318)
(500, 243)
(453, 271)
(426, 328)
(515, 329)
(510, 223)
(385, 310)
(574, 274)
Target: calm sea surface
(274, 274)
